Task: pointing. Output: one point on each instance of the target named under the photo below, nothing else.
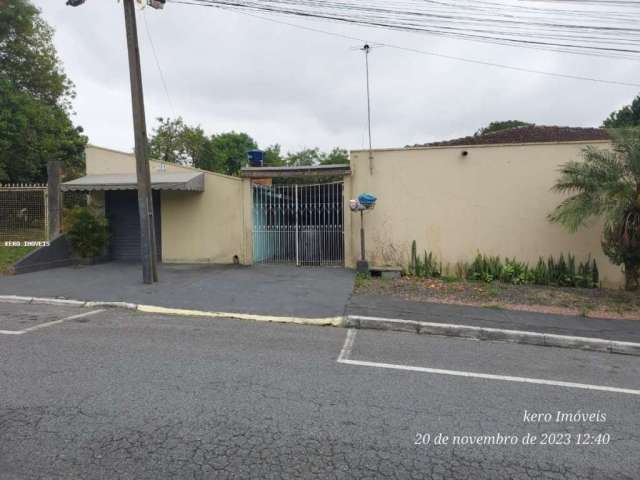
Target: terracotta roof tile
(532, 134)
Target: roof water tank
(256, 158)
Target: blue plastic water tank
(256, 158)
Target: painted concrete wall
(197, 227)
(494, 200)
(103, 161)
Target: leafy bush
(515, 272)
(563, 272)
(485, 268)
(428, 266)
(541, 273)
(87, 232)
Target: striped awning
(185, 181)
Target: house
(488, 194)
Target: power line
(435, 54)
(155, 56)
(593, 32)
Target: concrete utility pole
(145, 198)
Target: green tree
(230, 151)
(167, 142)
(273, 156)
(502, 125)
(306, 157)
(337, 156)
(607, 184)
(627, 116)
(35, 99)
(174, 141)
(197, 147)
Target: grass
(10, 255)
(598, 302)
(362, 279)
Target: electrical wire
(155, 56)
(434, 54)
(597, 28)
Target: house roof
(530, 134)
(187, 181)
(303, 171)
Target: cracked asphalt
(133, 396)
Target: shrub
(414, 258)
(563, 272)
(427, 266)
(485, 268)
(515, 272)
(540, 274)
(430, 266)
(87, 232)
(461, 269)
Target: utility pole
(143, 175)
(145, 199)
(366, 49)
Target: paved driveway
(268, 290)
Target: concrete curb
(496, 334)
(326, 321)
(371, 323)
(64, 301)
(323, 321)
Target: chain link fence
(23, 212)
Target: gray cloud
(225, 70)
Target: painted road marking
(49, 324)
(345, 353)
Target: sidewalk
(575, 326)
(285, 291)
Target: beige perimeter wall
(197, 227)
(495, 200)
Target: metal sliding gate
(298, 224)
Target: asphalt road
(123, 395)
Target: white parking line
(345, 353)
(49, 324)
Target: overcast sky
(228, 71)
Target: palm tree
(607, 184)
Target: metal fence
(23, 212)
(298, 224)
